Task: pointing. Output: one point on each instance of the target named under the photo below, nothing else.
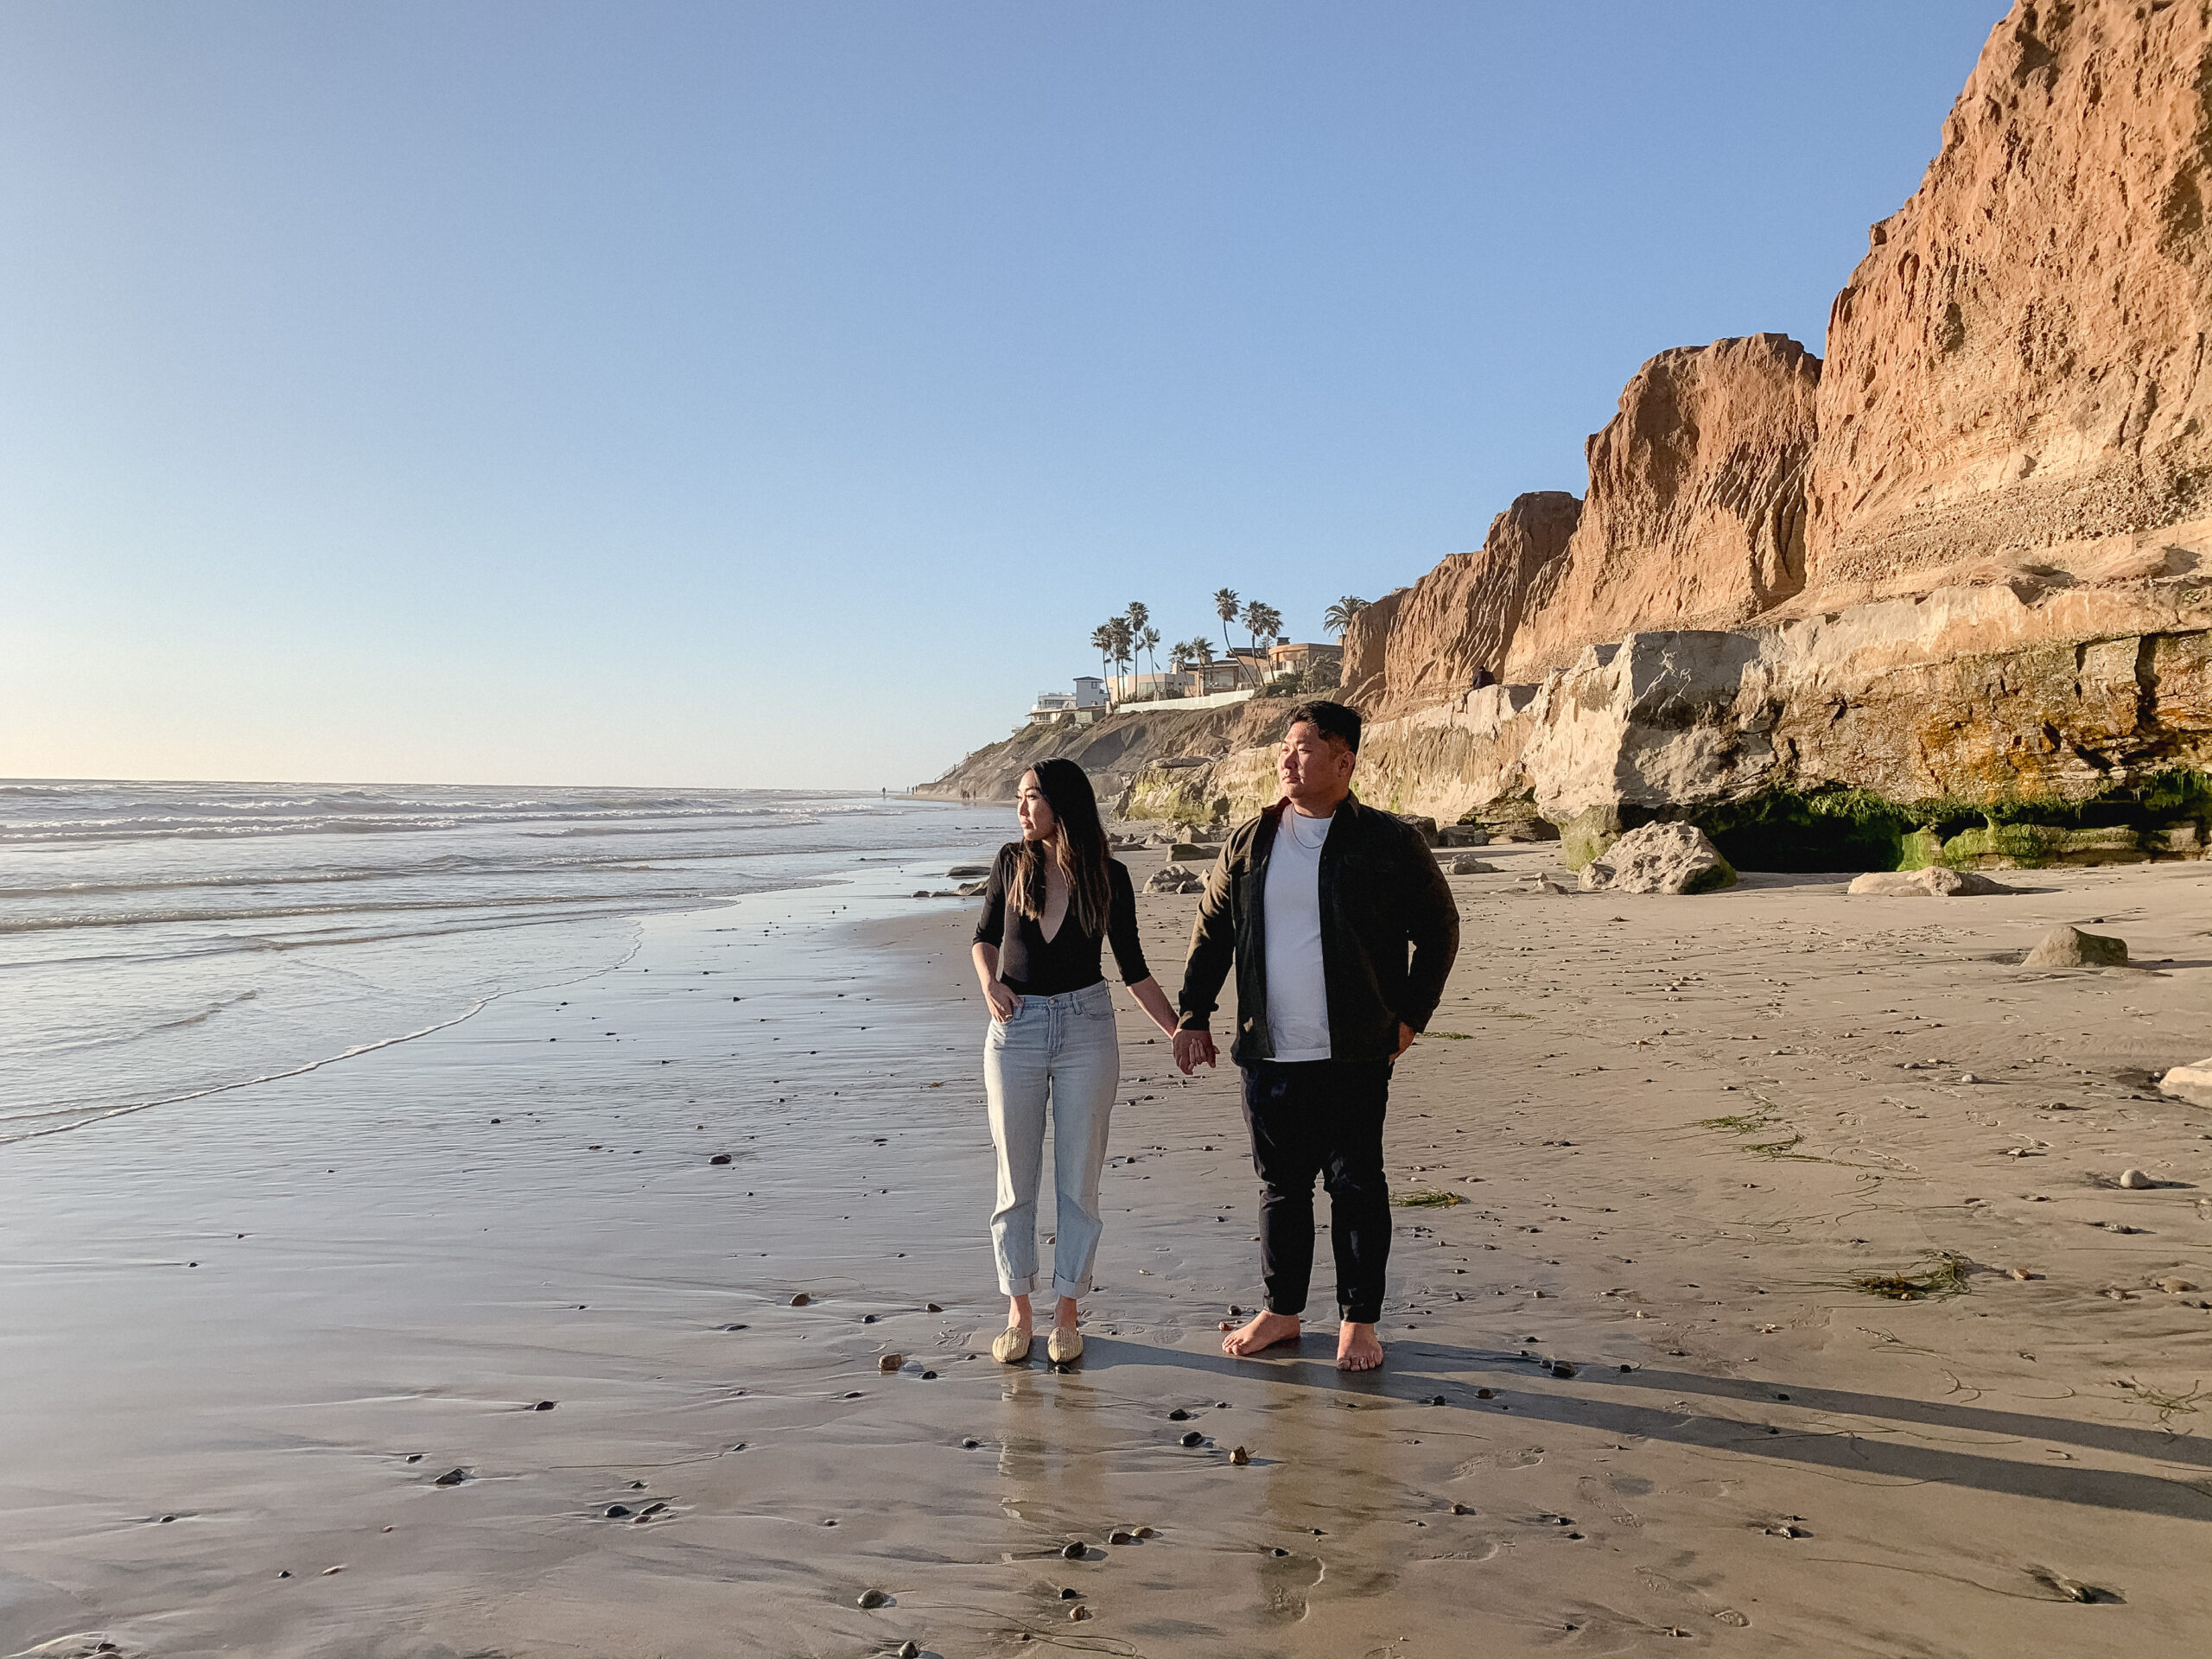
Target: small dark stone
(1280, 1552)
(285, 1573)
(719, 1158)
(451, 1478)
(1560, 1368)
(167, 1518)
(733, 1327)
(1071, 1552)
(1121, 1536)
(545, 1405)
(867, 1318)
(616, 1511)
(929, 1376)
(637, 1485)
(1461, 1509)
(908, 1651)
(1179, 1416)
(931, 1307)
(1070, 1594)
(1194, 1438)
(1627, 1367)
(1484, 1394)
(874, 1598)
(801, 1299)
(414, 1457)
(971, 1445)
(1436, 1400)
(1782, 1397)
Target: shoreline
(412, 1278)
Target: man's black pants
(1325, 1118)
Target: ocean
(169, 941)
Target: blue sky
(764, 395)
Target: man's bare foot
(1358, 1349)
(1268, 1331)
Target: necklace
(1298, 834)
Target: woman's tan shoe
(1011, 1346)
(1064, 1345)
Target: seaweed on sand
(1428, 1199)
(1946, 1275)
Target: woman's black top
(1033, 965)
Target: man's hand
(1194, 1049)
(1405, 1035)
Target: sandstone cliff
(1115, 748)
(1426, 644)
(1695, 515)
(2017, 369)
(1944, 597)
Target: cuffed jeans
(1325, 1118)
(1058, 1053)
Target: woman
(1055, 900)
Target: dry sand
(244, 1335)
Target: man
(1317, 901)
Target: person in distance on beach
(1317, 902)
(1055, 900)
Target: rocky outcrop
(1695, 515)
(2016, 373)
(1177, 744)
(1438, 637)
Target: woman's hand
(1004, 1003)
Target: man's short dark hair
(1331, 719)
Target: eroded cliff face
(2016, 372)
(1695, 515)
(1429, 643)
(1947, 595)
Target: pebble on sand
(801, 1299)
(2135, 1181)
(451, 1478)
(875, 1598)
(1240, 1457)
(2177, 1287)
(719, 1158)
(1071, 1552)
(890, 1363)
(908, 1651)
(931, 1307)
(545, 1405)
(616, 1511)
(1194, 1438)
(1078, 1612)
(1120, 1536)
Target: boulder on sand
(2070, 947)
(1660, 858)
(1935, 882)
(1468, 864)
(2192, 1082)
(1175, 878)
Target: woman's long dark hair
(1078, 844)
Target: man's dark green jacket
(1381, 897)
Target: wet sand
(1679, 1127)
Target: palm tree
(1123, 640)
(1338, 616)
(1224, 607)
(1102, 641)
(1198, 648)
(1138, 616)
(1149, 639)
(1260, 619)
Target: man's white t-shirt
(1298, 997)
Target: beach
(470, 1344)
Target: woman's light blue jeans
(1058, 1053)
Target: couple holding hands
(1340, 929)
